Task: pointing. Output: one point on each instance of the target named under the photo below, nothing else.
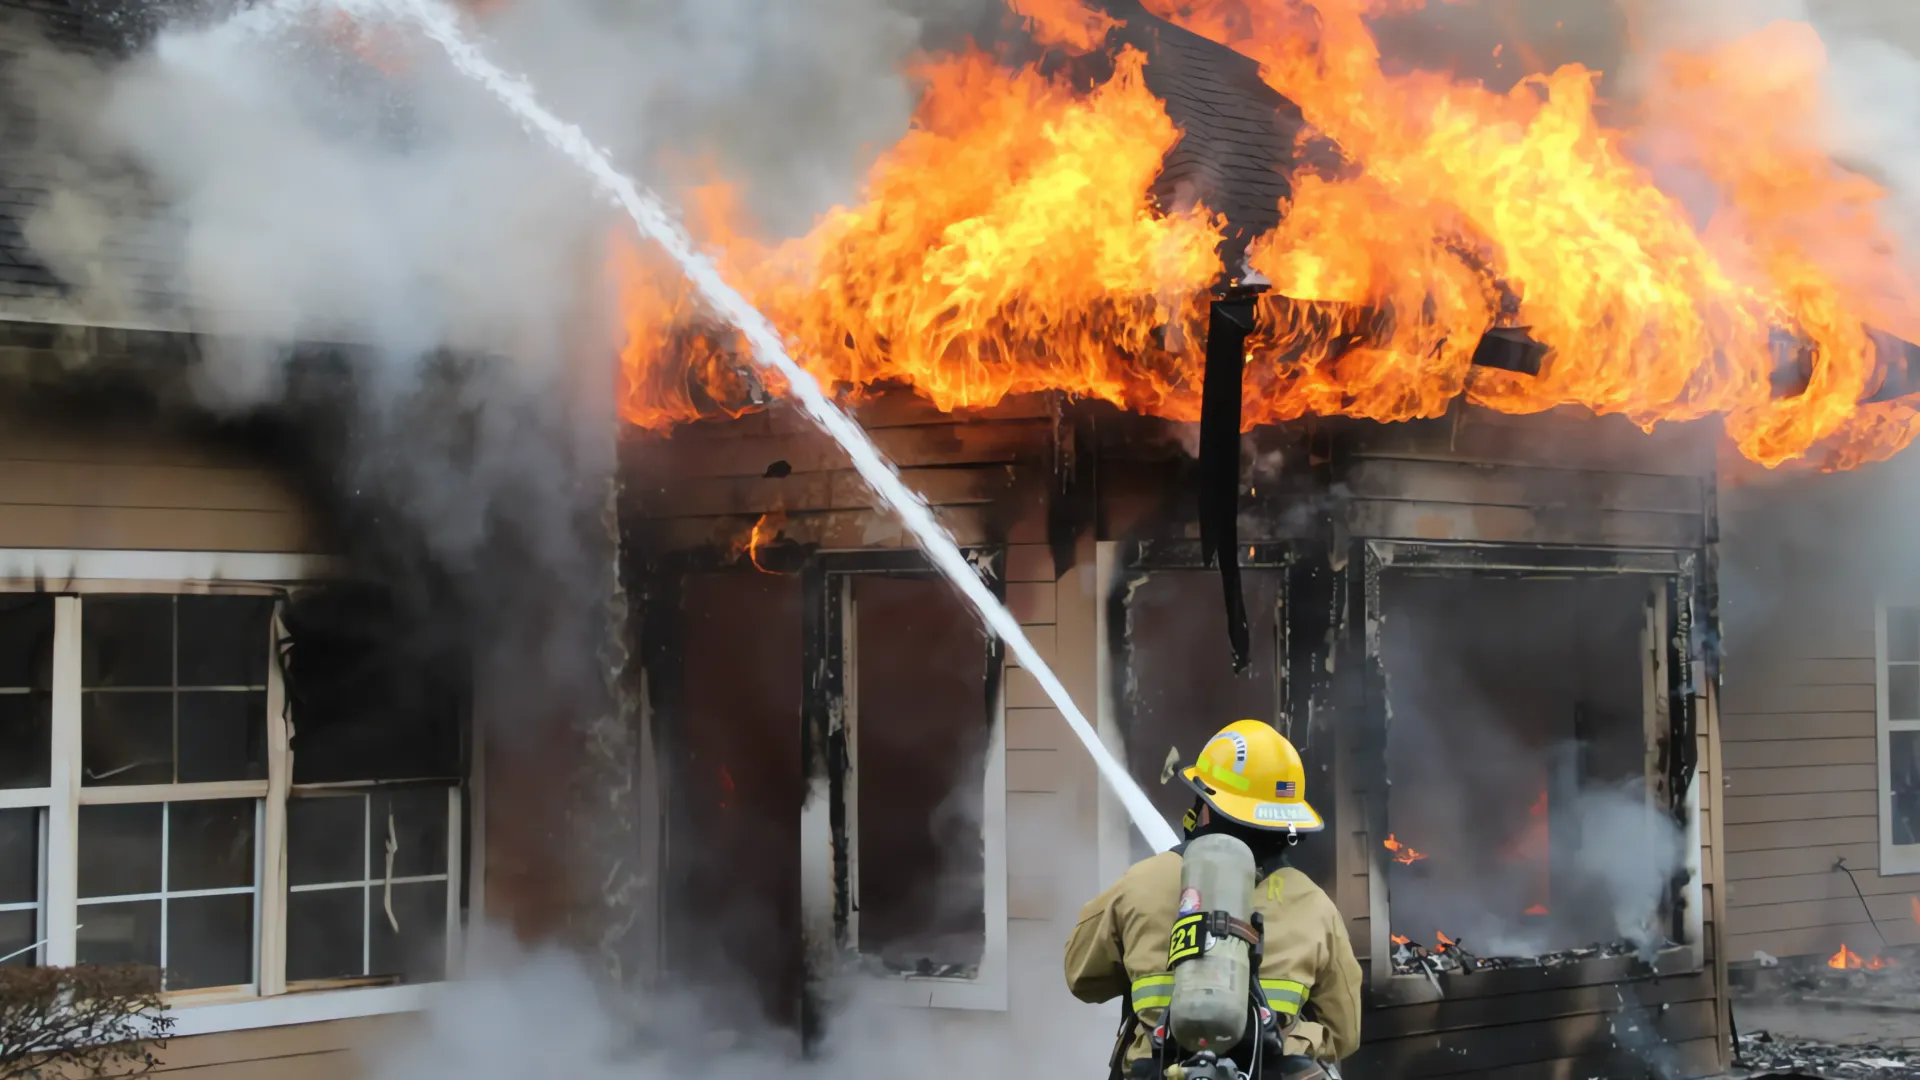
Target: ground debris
(1763, 1055)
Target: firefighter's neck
(1269, 849)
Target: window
(923, 793)
(151, 812)
(1898, 637)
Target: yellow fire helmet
(1250, 773)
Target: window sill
(921, 992)
(312, 1007)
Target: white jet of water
(441, 22)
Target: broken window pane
(1518, 801)
(373, 694)
(418, 821)
(1903, 691)
(1903, 772)
(26, 704)
(338, 884)
(418, 950)
(120, 933)
(326, 839)
(126, 738)
(1903, 634)
(174, 688)
(922, 726)
(120, 849)
(324, 934)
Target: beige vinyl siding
(1801, 788)
(332, 1050)
(73, 487)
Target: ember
(1401, 852)
(1848, 960)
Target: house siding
(1802, 786)
(104, 488)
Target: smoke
(522, 1013)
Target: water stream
(441, 23)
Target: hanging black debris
(1228, 326)
(1899, 363)
(1508, 348)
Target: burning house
(1490, 626)
(1238, 415)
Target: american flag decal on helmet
(1283, 789)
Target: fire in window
(1524, 716)
(918, 676)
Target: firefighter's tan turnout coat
(1120, 947)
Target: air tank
(1212, 973)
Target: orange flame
(1006, 245)
(1401, 852)
(765, 530)
(1445, 941)
(1845, 959)
(1067, 23)
(1400, 939)
(1537, 909)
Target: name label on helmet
(1291, 813)
(1184, 942)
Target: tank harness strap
(1192, 932)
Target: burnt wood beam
(1509, 348)
(1229, 323)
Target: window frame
(266, 1001)
(987, 989)
(1895, 859)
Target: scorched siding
(98, 487)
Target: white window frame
(987, 989)
(1894, 859)
(266, 1002)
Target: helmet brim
(1267, 815)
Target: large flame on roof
(1007, 245)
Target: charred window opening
(825, 736)
(1527, 722)
(373, 695)
(918, 677)
(728, 686)
(1175, 684)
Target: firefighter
(1249, 783)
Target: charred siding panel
(71, 487)
(706, 484)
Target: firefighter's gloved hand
(1301, 1067)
